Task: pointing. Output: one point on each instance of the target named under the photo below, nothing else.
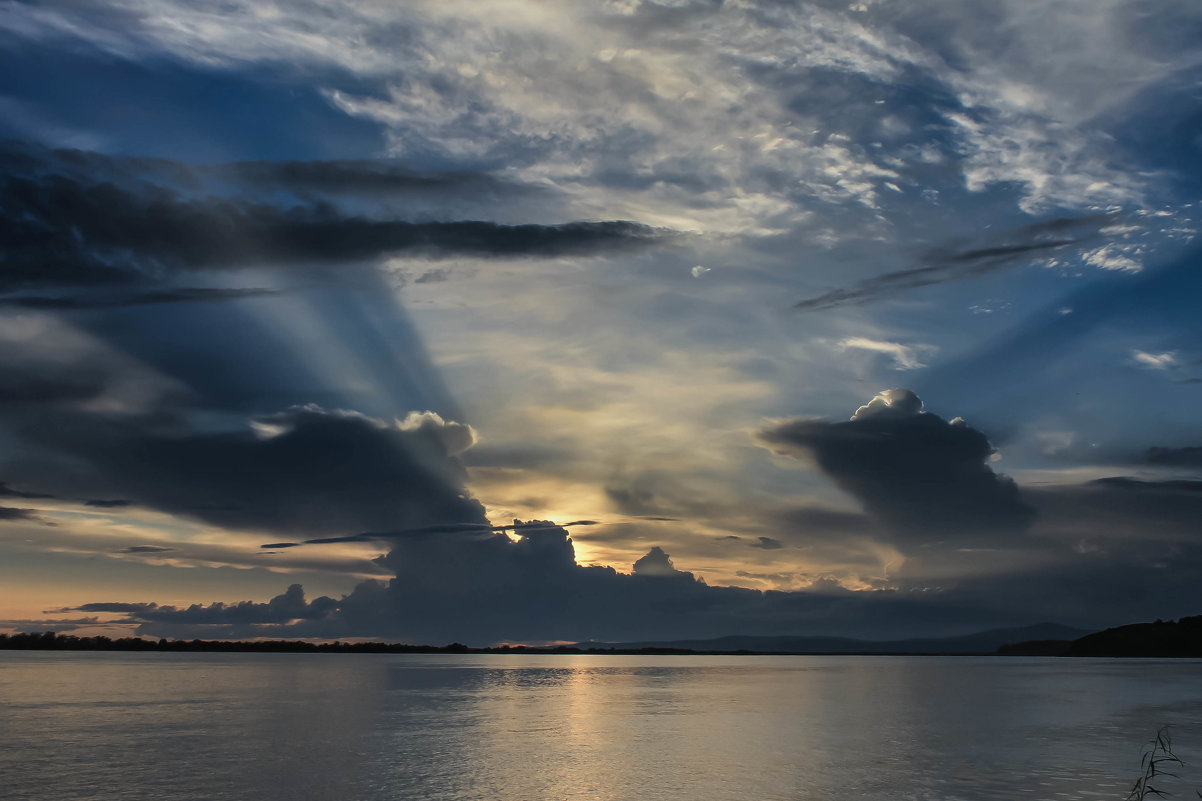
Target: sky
(540, 322)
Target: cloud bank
(923, 477)
(60, 226)
(1049, 552)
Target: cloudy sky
(538, 321)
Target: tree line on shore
(1180, 638)
(50, 641)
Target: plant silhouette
(1158, 758)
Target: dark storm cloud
(305, 470)
(342, 177)
(58, 231)
(75, 227)
(1174, 457)
(655, 562)
(288, 606)
(136, 549)
(56, 625)
(87, 421)
(474, 583)
(284, 608)
(336, 177)
(89, 428)
(110, 606)
(444, 529)
(488, 587)
(1137, 485)
(483, 589)
(941, 265)
(9, 514)
(921, 476)
(767, 544)
(180, 295)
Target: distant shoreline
(1158, 640)
(38, 641)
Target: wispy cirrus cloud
(435, 78)
(947, 264)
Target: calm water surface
(242, 727)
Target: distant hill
(984, 642)
(1182, 638)
(1036, 648)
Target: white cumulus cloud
(1155, 361)
(905, 357)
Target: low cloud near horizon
(926, 481)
